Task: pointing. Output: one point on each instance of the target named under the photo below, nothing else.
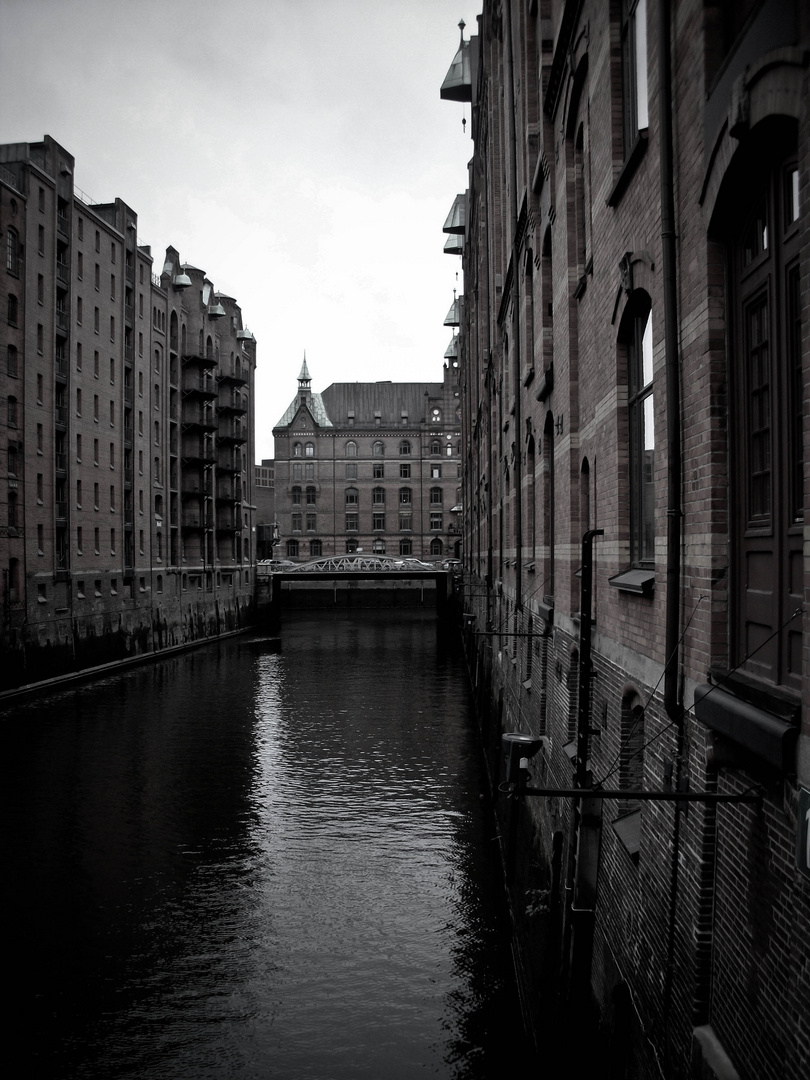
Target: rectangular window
(405, 471)
(351, 470)
(435, 522)
(351, 522)
(296, 522)
(635, 112)
(405, 522)
(641, 416)
(377, 470)
(378, 522)
(310, 522)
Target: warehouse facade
(127, 441)
(634, 371)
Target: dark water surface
(241, 863)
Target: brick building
(126, 438)
(634, 372)
(371, 467)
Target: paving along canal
(245, 863)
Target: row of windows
(307, 471)
(405, 496)
(378, 449)
(308, 522)
(295, 548)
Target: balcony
(62, 224)
(60, 462)
(233, 380)
(61, 366)
(196, 486)
(199, 385)
(201, 358)
(61, 511)
(233, 405)
(232, 433)
(197, 521)
(200, 452)
(63, 272)
(201, 419)
(227, 463)
(60, 415)
(61, 320)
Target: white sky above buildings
(295, 150)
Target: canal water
(248, 863)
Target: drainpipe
(581, 779)
(515, 342)
(673, 696)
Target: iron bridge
(358, 565)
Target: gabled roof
(315, 406)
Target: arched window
(351, 449)
(316, 548)
(436, 546)
(378, 449)
(13, 252)
(435, 448)
(406, 546)
(378, 547)
(298, 450)
(636, 336)
(631, 750)
(435, 496)
(404, 448)
(351, 496)
(351, 545)
(405, 496)
(292, 549)
(531, 520)
(309, 450)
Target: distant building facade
(635, 363)
(126, 470)
(370, 467)
(265, 496)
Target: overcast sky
(295, 150)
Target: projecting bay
(242, 863)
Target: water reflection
(238, 863)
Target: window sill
(768, 737)
(546, 384)
(628, 831)
(638, 581)
(637, 152)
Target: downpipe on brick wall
(673, 689)
(573, 945)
